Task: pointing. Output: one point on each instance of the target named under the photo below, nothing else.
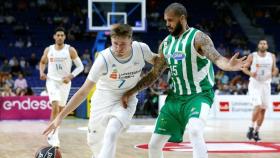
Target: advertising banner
(25, 107)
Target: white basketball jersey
(121, 77)
(59, 62)
(262, 66)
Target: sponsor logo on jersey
(178, 55)
(224, 106)
(114, 73)
(276, 106)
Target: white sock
(196, 127)
(112, 132)
(156, 144)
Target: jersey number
(174, 70)
(58, 67)
(122, 82)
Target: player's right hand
(52, 126)
(43, 76)
(125, 99)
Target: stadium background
(26, 28)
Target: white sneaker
(53, 140)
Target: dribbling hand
(52, 126)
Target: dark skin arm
(205, 47)
(159, 66)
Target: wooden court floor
(21, 139)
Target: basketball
(48, 152)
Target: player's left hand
(67, 79)
(236, 63)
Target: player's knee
(195, 127)
(93, 138)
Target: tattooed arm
(159, 66)
(204, 45)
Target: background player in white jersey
(115, 70)
(262, 67)
(59, 57)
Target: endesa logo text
(26, 104)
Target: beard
(177, 30)
(262, 49)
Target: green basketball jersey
(191, 73)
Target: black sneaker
(257, 137)
(250, 134)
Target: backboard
(103, 13)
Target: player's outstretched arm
(74, 102)
(204, 45)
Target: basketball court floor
(225, 139)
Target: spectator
(20, 82)
(7, 91)
(9, 80)
(5, 67)
(33, 60)
(222, 50)
(29, 92)
(22, 62)
(246, 51)
(16, 69)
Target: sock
(257, 128)
(196, 127)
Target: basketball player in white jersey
(116, 70)
(59, 57)
(262, 67)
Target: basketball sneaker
(250, 133)
(53, 139)
(256, 136)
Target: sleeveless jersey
(262, 66)
(191, 73)
(121, 76)
(59, 62)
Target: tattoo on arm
(158, 68)
(205, 44)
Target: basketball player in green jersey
(189, 54)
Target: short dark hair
(178, 8)
(262, 39)
(62, 29)
(121, 30)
